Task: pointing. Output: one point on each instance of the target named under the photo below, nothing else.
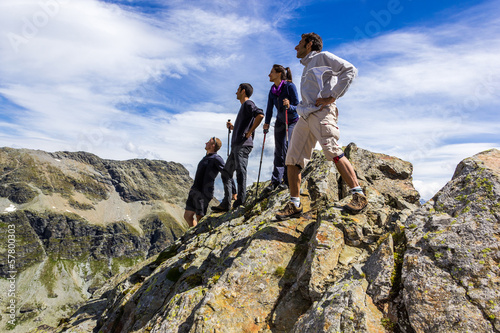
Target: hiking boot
(289, 211)
(357, 204)
(223, 207)
(281, 187)
(237, 203)
(269, 189)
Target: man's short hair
(317, 42)
(218, 144)
(248, 89)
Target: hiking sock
(296, 201)
(357, 189)
(336, 159)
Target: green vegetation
(484, 183)
(264, 203)
(48, 276)
(279, 272)
(10, 327)
(215, 278)
(395, 276)
(399, 240)
(388, 324)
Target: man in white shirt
(325, 78)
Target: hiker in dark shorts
(325, 78)
(248, 119)
(282, 92)
(202, 191)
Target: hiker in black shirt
(248, 119)
(202, 191)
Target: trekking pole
(228, 137)
(260, 166)
(286, 122)
(228, 144)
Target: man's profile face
(302, 48)
(209, 144)
(239, 93)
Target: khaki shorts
(321, 127)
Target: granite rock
(451, 275)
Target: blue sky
(156, 79)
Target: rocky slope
(79, 220)
(395, 267)
(243, 271)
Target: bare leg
(347, 172)
(189, 217)
(294, 179)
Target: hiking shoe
(221, 208)
(269, 189)
(289, 211)
(357, 204)
(237, 203)
(281, 187)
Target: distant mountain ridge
(79, 220)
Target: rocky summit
(397, 266)
(451, 271)
(72, 221)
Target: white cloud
(93, 76)
(68, 64)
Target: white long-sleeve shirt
(325, 75)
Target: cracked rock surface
(451, 273)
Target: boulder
(345, 307)
(451, 274)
